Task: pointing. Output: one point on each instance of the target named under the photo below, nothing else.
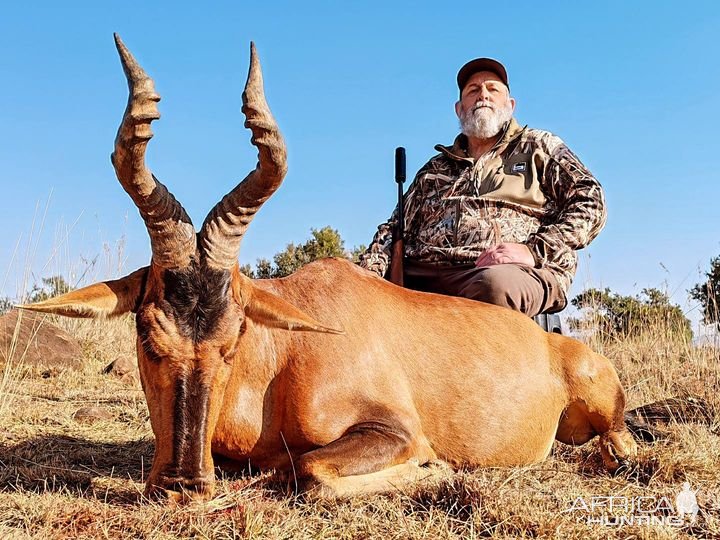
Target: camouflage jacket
(530, 188)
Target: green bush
(325, 242)
(620, 315)
(708, 294)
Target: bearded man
(499, 215)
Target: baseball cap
(481, 64)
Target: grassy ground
(60, 478)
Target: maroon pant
(522, 288)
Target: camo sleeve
(377, 256)
(580, 207)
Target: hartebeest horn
(172, 235)
(225, 225)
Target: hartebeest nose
(199, 485)
(183, 489)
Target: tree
(708, 294)
(51, 286)
(620, 315)
(356, 252)
(325, 242)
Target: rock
(121, 366)
(132, 378)
(39, 342)
(125, 368)
(90, 415)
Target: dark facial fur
(196, 297)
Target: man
(499, 215)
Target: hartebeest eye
(228, 353)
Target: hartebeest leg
(597, 407)
(369, 457)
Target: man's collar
(458, 150)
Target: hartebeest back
(242, 370)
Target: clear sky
(632, 87)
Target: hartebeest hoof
(618, 448)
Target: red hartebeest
(240, 369)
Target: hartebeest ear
(266, 308)
(104, 299)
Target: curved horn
(172, 235)
(227, 222)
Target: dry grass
(63, 479)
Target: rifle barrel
(398, 244)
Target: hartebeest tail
(414, 378)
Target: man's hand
(506, 253)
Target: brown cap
(481, 64)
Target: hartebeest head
(191, 301)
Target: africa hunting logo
(618, 511)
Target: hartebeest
(240, 369)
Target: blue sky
(630, 86)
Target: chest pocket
(516, 181)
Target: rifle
(398, 232)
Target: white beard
(483, 122)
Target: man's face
(485, 105)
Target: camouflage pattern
(530, 188)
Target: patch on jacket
(519, 167)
